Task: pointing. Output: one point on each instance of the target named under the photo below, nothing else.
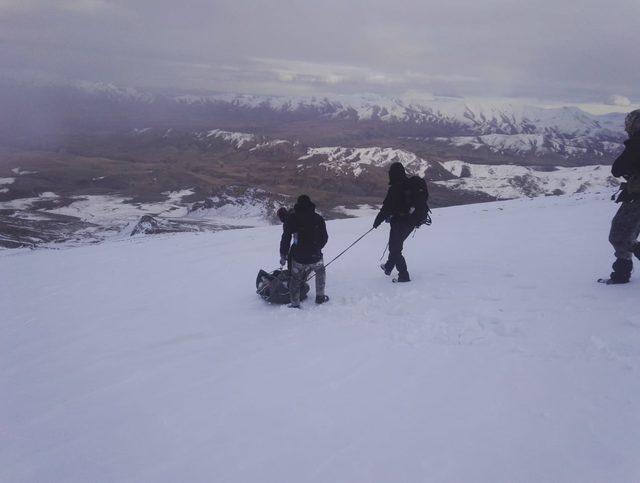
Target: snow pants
(299, 274)
(625, 228)
(400, 231)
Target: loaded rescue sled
(274, 287)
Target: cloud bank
(577, 52)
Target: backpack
(417, 199)
(274, 287)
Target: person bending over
(308, 231)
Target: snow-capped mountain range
(479, 127)
(463, 115)
(478, 116)
(355, 160)
(538, 145)
(109, 155)
(509, 181)
(503, 127)
(497, 181)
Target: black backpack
(274, 287)
(417, 198)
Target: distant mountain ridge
(477, 116)
(466, 126)
(480, 117)
(79, 162)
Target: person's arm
(385, 210)
(285, 241)
(324, 236)
(628, 163)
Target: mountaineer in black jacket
(309, 233)
(625, 226)
(404, 212)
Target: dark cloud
(575, 51)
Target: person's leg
(404, 230)
(321, 278)
(625, 227)
(623, 231)
(635, 248)
(298, 271)
(395, 246)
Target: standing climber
(309, 232)
(405, 208)
(625, 226)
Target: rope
(385, 251)
(272, 281)
(340, 254)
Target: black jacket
(401, 204)
(628, 165)
(310, 233)
(395, 204)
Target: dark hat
(396, 173)
(304, 201)
(304, 204)
(632, 123)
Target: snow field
(511, 181)
(353, 160)
(238, 139)
(152, 359)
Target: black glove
(283, 260)
(377, 222)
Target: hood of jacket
(632, 123)
(304, 205)
(397, 174)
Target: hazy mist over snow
(575, 53)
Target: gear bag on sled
(274, 287)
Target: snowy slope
(239, 207)
(103, 217)
(238, 139)
(538, 144)
(353, 161)
(152, 359)
(6, 181)
(114, 211)
(508, 181)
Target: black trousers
(400, 231)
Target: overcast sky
(557, 51)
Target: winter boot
(402, 277)
(622, 269)
(384, 268)
(293, 306)
(320, 299)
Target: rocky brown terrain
(67, 152)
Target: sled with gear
(273, 287)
